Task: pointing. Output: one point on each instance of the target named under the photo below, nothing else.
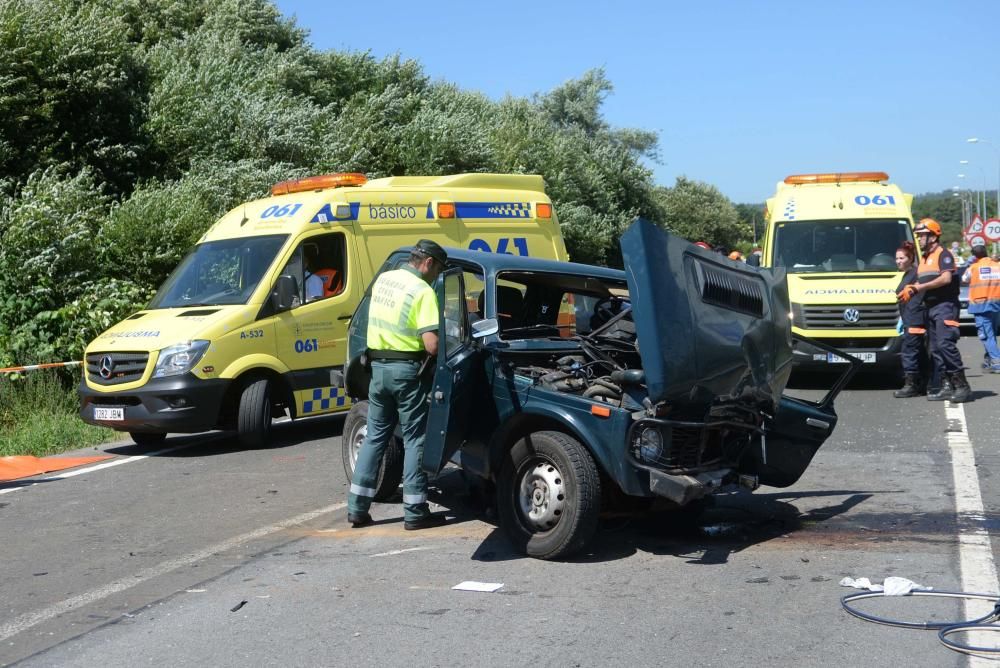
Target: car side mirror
(484, 328)
(283, 295)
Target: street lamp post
(980, 205)
(977, 140)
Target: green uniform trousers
(396, 393)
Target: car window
(456, 320)
(319, 267)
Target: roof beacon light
(319, 183)
(840, 177)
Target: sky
(741, 93)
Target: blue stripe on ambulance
(493, 209)
(326, 214)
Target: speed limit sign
(992, 229)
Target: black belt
(412, 355)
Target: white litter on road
(472, 585)
(892, 586)
(392, 552)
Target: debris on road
(237, 606)
(893, 586)
(472, 585)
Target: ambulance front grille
(118, 367)
(867, 316)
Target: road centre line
(103, 465)
(979, 573)
(26, 621)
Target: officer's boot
(945, 391)
(911, 387)
(994, 365)
(962, 391)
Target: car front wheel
(548, 495)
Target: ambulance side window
(319, 267)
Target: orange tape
(916, 330)
(23, 466)
(951, 323)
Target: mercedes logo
(108, 366)
(852, 315)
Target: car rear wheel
(548, 495)
(390, 471)
(253, 423)
(147, 438)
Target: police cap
(429, 248)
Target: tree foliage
(128, 126)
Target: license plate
(867, 358)
(109, 413)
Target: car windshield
(219, 272)
(817, 246)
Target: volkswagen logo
(107, 367)
(852, 315)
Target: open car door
(795, 432)
(451, 393)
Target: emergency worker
(984, 303)
(940, 294)
(913, 314)
(320, 282)
(402, 334)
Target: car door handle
(813, 422)
(344, 317)
(439, 396)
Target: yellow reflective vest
(403, 306)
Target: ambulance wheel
(146, 438)
(549, 495)
(253, 422)
(390, 470)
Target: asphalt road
(204, 554)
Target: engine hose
(608, 384)
(601, 391)
(992, 616)
(964, 648)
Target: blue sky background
(741, 93)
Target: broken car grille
(681, 447)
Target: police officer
(984, 303)
(940, 293)
(402, 333)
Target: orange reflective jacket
(984, 285)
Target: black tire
(549, 495)
(253, 423)
(390, 471)
(146, 438)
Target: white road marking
(26, 621)
(979, 572)
(104, 465)
(392, 552)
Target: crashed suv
(558, 383)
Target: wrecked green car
(559, 384)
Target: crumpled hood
(708, 328)
(147, 331)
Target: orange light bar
(319, 182)
(446, 209)
(600, 411)
(841, 177)
(543, 210)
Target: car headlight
(650, 445)
(180, 358)
(797, 316)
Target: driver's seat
(510, 306)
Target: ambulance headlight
(797, 316)
(180, 358)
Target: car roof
(495, 262)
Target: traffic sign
(992, 229)
(976, 240)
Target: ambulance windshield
(219, 272)
(837, 246)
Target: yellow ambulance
(252, 324)
(836, 235)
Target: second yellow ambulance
(836, 235)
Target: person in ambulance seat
(940, 294)
(320, 280)
(983, 277)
